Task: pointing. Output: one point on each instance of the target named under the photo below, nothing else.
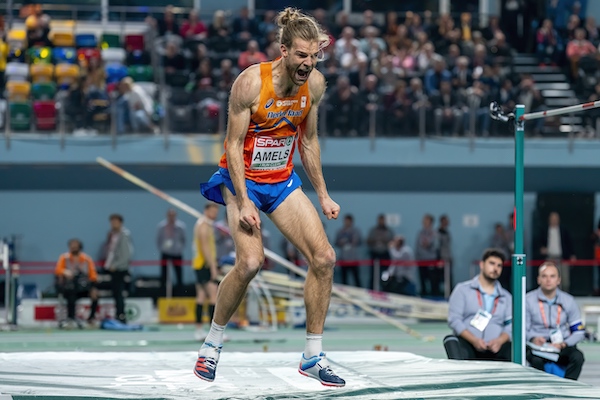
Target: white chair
(149, 87)
(16, 71)
(114, 55)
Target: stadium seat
(180, 111)
(134, 42)
(16, 55)
(85, 54)
(61, 38)
(20, 115)
(17, 39)
(64, 55)
(141, 73)
(113, 55)
(66, 74)
(41, 72)
(177, 79)
(16, 71)
(86, 40)
(40, 55)
(18, 90)
(43, 90)
(44, 112)
(110, 40)
(115, 72)
(138, 57)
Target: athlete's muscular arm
(245, 91)
(310, 150)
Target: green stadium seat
(110, 40)
(141, 73)
(40, 55)
(20, 115)
(43, 90)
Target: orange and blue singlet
(268, 147)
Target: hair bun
(289, 14)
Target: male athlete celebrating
(272, 104)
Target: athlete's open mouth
(302, 74)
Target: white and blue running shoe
(206, 365)
(318, 368)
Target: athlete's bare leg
(298, 221)
(249, 258)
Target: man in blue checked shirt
(553, 321)
(480, 314)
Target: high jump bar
(268, 253)
(560, 111)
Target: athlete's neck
(282, 82)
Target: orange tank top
(271, 138)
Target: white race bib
(556, 336)
(271, 153)
(481, 320)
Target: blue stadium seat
(115, 72)
(66, 55)
(86, 40)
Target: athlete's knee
(324, 259)
(249, 266)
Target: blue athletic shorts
(266, 196)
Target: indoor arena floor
(157, 364)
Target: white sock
(215, 335)
(314, 345)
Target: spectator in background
(204, 71)
(372, 45)
(140, 108)
(557, 245)
(38, 28)
(197, 57)
(167, 24)
(76, 277)
(462, 76)
(173, 61)
(368, 20)
(391, 25)
(578, 49)
(244, 28)
(553, 319)
(251, 56)
(219, 33)
(500, 240)
(193, 27)
(592, 31)
(370, 102)
(347, 43)
(119, 251)
(444, 249)
(476, 117)
(225, 75)
(426, 251)
(447, 109)
(170, 241)
(480, 315)
(347, 240)
(435, 75)
(268, 25)
(549, 44)
(341, 23)
(400, 278)
(401, 119)
(343, 108)
(378, 245)
(528, 95)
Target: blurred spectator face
(348, 33)
(226, 65)
(368, 17)
(422, 37)
(171, 216)
(465, 18)
(169, 16)
(205, 67)
(244, 13)
(74, 247)
(554, 219)
(427, 221)
(480, 51)
(116, 224)
(171, 49)
(343, 83)
(416, 85)
(444, 221)
(462, 63)
(499, 229)
(219, 18)
(342, 18)
(493, 22)
(348, 220)
(590, 22)
(547, 24)
(391, 18)
(416, 20)
(201, 51)
(381, 221)
(252, 46)
(371, 83)
(573, 22)
(445, 87)
(439, 65)
(270, 16)
(193, 17)
(580, 34)
(428, 49)
(507, 84)
(500, 39)
(454, 51)
(371, 32)
(402, 31)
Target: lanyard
(480, 301)
(549, 309)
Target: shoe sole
(202, 377)
(322, 383)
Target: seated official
(76, 277)
(553, 320)
(480, 314)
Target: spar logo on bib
(269, 103)
(271, 153)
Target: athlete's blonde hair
(295, 25)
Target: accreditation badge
(481, 320)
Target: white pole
(444, 6)
(560, 111)
(484, 12)
(7, 279)
(347, 6)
